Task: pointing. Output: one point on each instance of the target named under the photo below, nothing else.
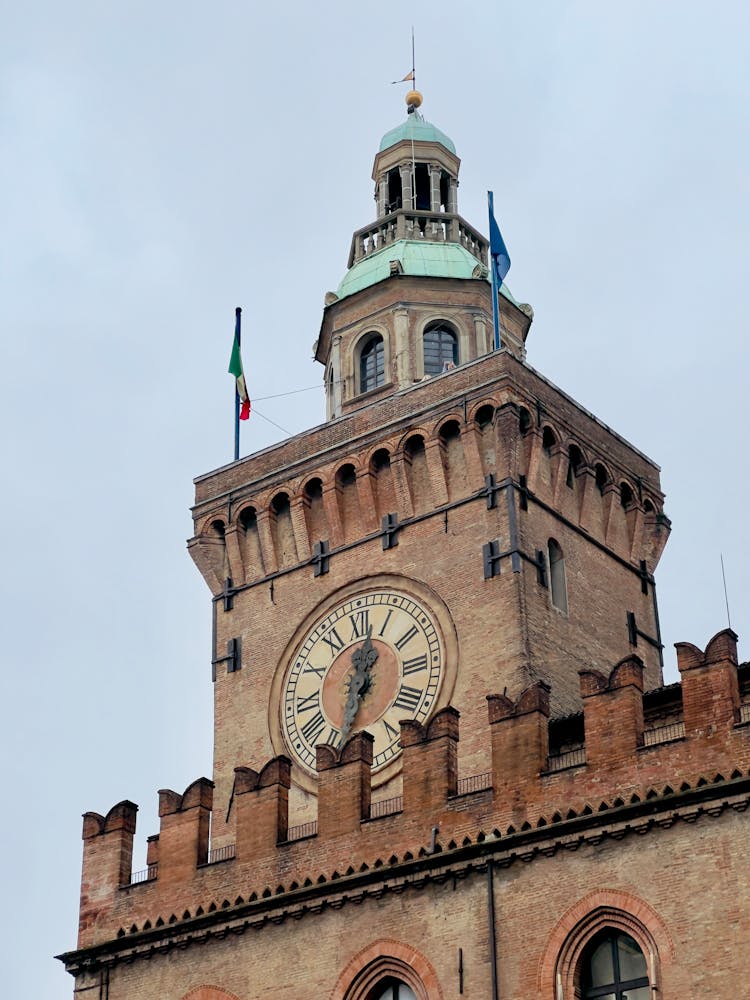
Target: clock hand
(359, 683)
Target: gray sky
(162, 163)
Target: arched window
(440, 349)
(557, 585)
(613, 967)
(372, 364)
(392, 989)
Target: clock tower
(457, 511)
(444, 760)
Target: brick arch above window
(387, 958)
(209, 993)
(600, 910)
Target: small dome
(416, 257)
(417, 129)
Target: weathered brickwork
(501, 416)
(629, 832)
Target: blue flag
(498, 250)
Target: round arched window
(392, 989)
(614, 968)
(372, 364)
(440, 349)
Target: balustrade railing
(144, 875)
(302, 831)
(571, 758)
(474, 783)
(433, 227)
(224, 853)
(664, 734)
(386, 807)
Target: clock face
(373, 660)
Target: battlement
(644, 761)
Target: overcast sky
(163, 162)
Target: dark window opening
(414, 447)
(548, 440)
(450, 431)
(614, 968)
(626, 495)
(422, 187)
(484, 417)
(347, 475)
(648, 507)
(395, 197)
(602, 478)
(440, 345)
(248, 519)
(217, 527)
(372, 364)
(280, 504)
(444, 192)
(575, 464)
(524, 420)
(314, 489)
(380, 460)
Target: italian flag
(235, 368)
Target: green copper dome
(416, 128)
(427, 259)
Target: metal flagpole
(238, 338)
(495, 289)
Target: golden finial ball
(413, 99)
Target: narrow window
(372, 364)
(602, 478)
(575, 463)
(558, 588)
(548, 441)
(626, 495)
(614, 968)
(440, 345)
(395, 200)
(524, 420)
(422, 185)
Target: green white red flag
(235, 368)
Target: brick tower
(459, 538)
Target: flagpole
(495, 289)
(238, 337)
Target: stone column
(338, 377)
(435, 172)
(453, 195)
(405, 169)
(401, 485)
(401, 342)
(381, 194)
(481, 336)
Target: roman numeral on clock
(408, 698)
(313, 727)
(360, 623)
(334, 640)
(309, 702)
(406, 637)
(318, 671)
(392, 733)
(415, 664)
